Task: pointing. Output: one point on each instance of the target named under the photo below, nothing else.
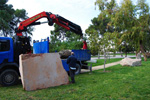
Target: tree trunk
(3, 33)
(104, 57)
(98, 55)
(104, 60)
(109, 56)
(125, 54)
(121, 54)
(143, 51)
(136, 53)
(114, 54)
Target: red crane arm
(52, 18)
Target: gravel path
(101, 67)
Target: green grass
(119, 83)
(101, 61)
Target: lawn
(119, 83)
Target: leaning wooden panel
(40, 71)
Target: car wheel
(78, 69)
(9, 77)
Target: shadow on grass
(118, 69)
(16, 85)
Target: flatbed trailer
(81, 55)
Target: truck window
(4, 45)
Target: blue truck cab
(9, 69)
(9, 59)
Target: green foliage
(58, 46)
(6, 15)
(61, 34)
(93, 38)
(100, 30)
(133, 20)
(126, 48)
(129, 23)
(19, 16)
(10, 19)
(62, 39)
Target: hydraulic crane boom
(52, 18)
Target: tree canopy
(100, 26)
(10, 18)
(6, 16)
(124, 24)
(62, 39)
(133, 20)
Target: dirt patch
(26, 56)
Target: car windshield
(4, 45)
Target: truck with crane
(11, 49)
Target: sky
(78, 11)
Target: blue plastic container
(41, 47)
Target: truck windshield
(4, 45)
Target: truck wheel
(78, 69)
(9, 77)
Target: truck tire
(78, 69)
(9, 77)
